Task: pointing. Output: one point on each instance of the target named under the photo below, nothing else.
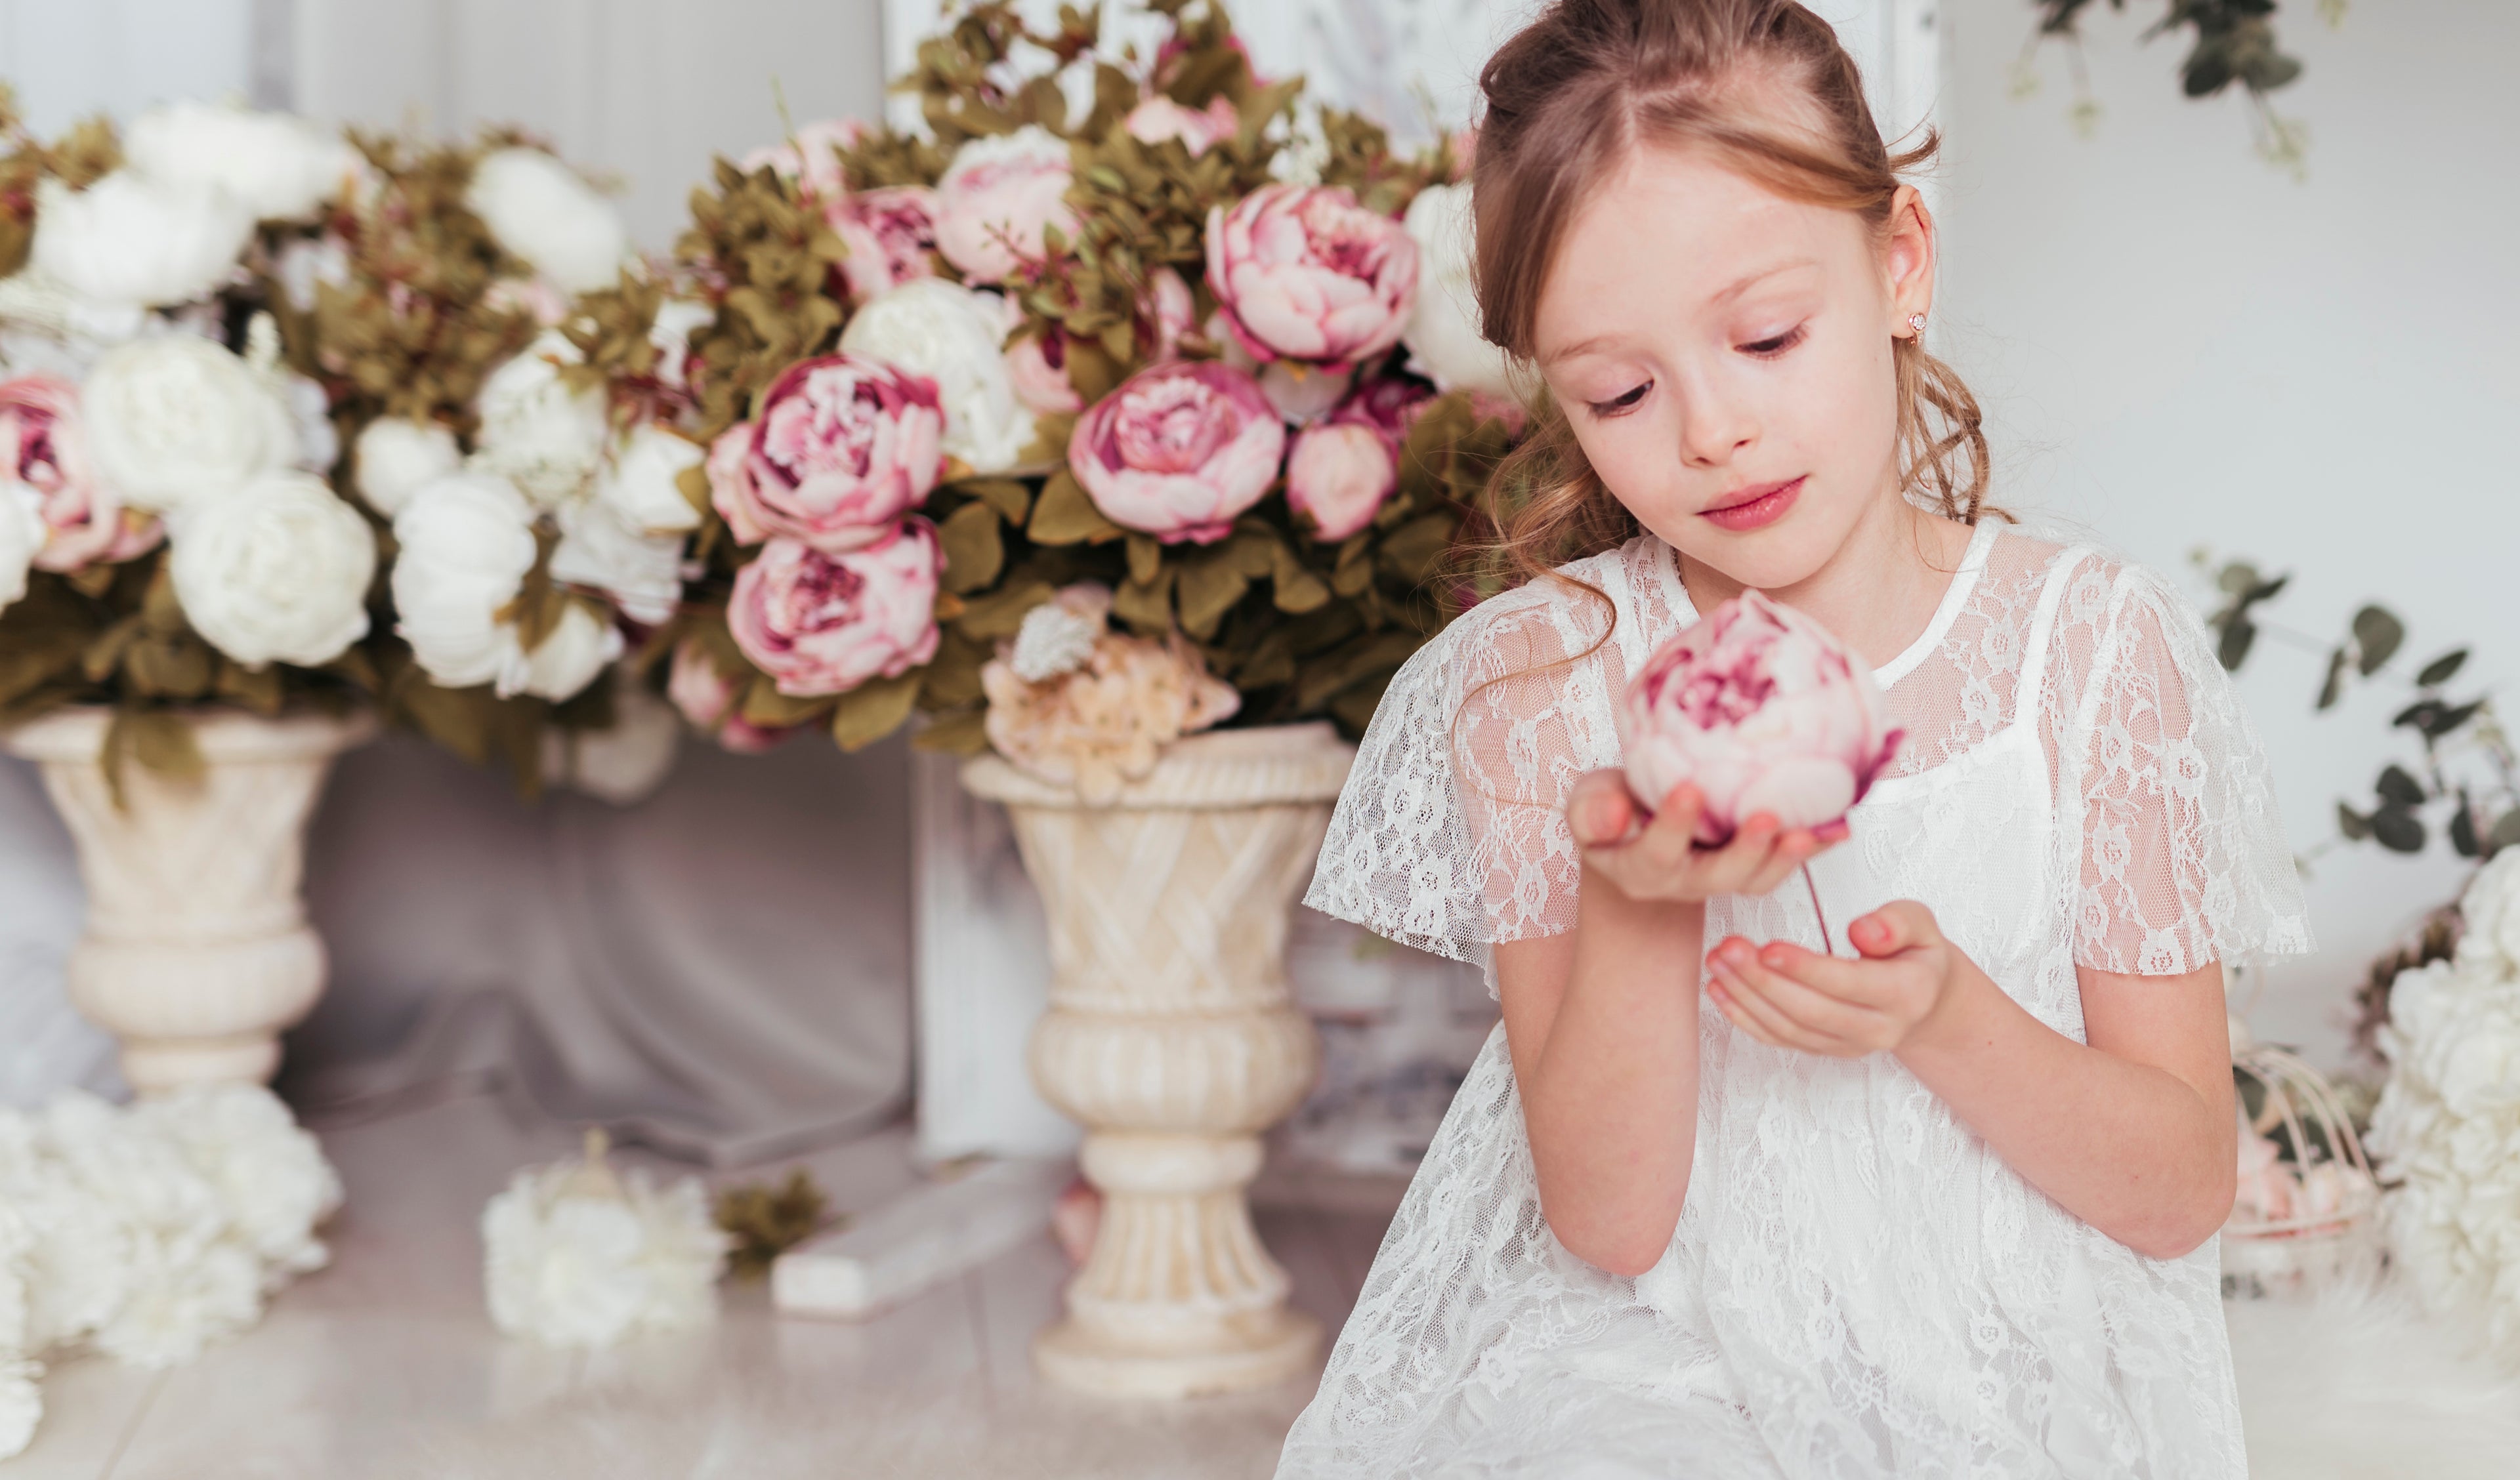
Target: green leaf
(2237, 635)
(2441, 669)
(1000, 613)
(1065, 515)
(1295, 588)
(764, 705)
(1207, 589)
(973, 552)
(2463, 829)
(873, 709)
(963, 734)
(2398, 787)
(2398, 830)
(2334, 687)
(2237, 578)
(2376, 634)
(2354, 824)
(1010, 499)
(1146, 558)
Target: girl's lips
(1753, 508)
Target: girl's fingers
(1791, 852)
(1600, 810)
(1822, 1017)
(1899, 925)
(1857, 983)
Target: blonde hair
(1567, 98)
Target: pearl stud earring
(1917, 321)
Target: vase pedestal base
(1270, 1348)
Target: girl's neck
(1877, 593)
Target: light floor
(385, 1364)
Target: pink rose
(46, 446)
(1168, 309)
(1199, 128)
(1764, 711)
(1305, 273)
(1036, 365)
(998, 197)
(1178, 450)
(839, 448)
(890, 235)
(812, 159)
(706, 698)
(1343, 467)
(821, 623)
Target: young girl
(1714, 1204)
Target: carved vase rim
(1254, 766)
(75, 733)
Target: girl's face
(1724, 355)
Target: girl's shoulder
(1567, 619)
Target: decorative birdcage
(2306, 1214)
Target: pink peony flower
(890, 235)
(840, 447)
(707, 699)
(1168, 310)
(821, 623)
(1305, 273)
(1037, 366)
(812, 159)
(1199, 128)
(1764, 710)
(1178, 450)
(998, 197)
(1342, 468)
(85, 522)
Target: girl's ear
(1908, 258)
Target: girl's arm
(2133, 1133)
(1601, 1021)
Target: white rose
(1443, 333)
(131, 241)
(274, 165)
(276, 572)
(956, 337)
(397, 458)
(571, 656)
(642, 573)
(541, 210)
(22, 532)
(466, 543)
(173, 417)
(642, 484)
(536, 433)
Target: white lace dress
(1858, 1287)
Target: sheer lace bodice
(1858, 1287)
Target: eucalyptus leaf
(2238, 635)
(2399, 788)
(2398, 830)
(2351, 823)
(2463, 831)
(2330, 689)
(2441, 669)
(2378, 634)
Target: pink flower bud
(821, 623)
(707, 699)
(1037, 366)
(44, 444)
(1179, 450)
(998, 198)
(1167, 308)
(890, 235)
(1305, 273)
(841, 446)
(1343, 467)
(1764, 711)
(1160, 118)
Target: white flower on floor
(269, 1174)
(2448, 1122)
(579, 1254)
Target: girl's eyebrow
(1740, 286)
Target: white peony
(276, 572)
(672, 333)
(174, 419)
(541, 210)
(536, 433)
(131, 241)
(642, 573)
(956, 337)
(580, 1255)
(22, 532)
(1443, 333)
(269, 1172)
(571, 656)
(466, 544)
(276, 165)
(2447, 1124)
(641, 484)
(397, 458)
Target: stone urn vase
(196, 953)
(1172, 1037)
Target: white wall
(70, 59)
(2178, 344)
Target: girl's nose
(1712, 432)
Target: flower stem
(1817, 912)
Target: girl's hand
(1790, 998)
(1654, 856)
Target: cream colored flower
(276, 572)
(545, 213)
(1105, 722)
(578, 1254)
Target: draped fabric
(1858, 1287)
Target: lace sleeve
(1451, 834)
(2183, 858)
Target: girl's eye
(1623, 403)
(1769, 348)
